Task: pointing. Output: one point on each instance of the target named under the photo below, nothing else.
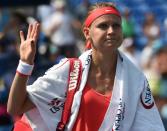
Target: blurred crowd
(61, 36)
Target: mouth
(110, 40)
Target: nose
(110, 30)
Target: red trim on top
(92, 110)
(62, 63)
(101, 11)
(21, 74)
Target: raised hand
(28, 45)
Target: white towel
(131, 108)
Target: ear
(86, 32)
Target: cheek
(121, 34)
(120, 37)
(97, 35)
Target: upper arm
(28, 105)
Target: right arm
(18, 101)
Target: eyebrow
(113, 22)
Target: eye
(103, 26)
(116, 26)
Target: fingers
(22, 36)
(35, 30)
(29, 31)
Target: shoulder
(133, 76)
(131, 67)
(60, 69)
(56, 74)
(53, 82)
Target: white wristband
(24, 68)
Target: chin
(110, 45)
(109, 49)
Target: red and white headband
(101, 11)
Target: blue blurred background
(144, 24)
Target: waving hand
(28, 45)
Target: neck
(104, 64)
(102, 71)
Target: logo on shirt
(119, 116)
(147, 98)
(107, 10)
(74, 75)
(88, 60)
(55, 105)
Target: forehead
(107, 18)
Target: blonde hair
(100, 5)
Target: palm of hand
(28, 45)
